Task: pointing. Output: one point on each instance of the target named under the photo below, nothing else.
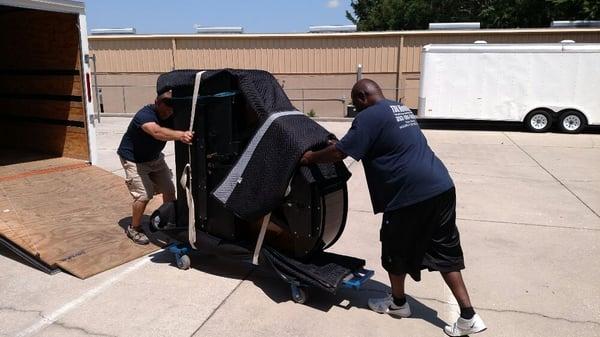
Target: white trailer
(538, 84)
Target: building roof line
(356, 34)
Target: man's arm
(330, 154)
(166, 134)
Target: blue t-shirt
(400, 167)
(137, 145)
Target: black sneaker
(136, 236)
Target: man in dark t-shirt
(140, 151)
(413, 189)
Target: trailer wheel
(572, 121)
(538, 121)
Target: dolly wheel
(299, 295)
(184, 262)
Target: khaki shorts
(144, 180)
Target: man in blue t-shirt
(413, 189)
(140, 151)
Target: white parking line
(52, 317)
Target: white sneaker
(386, 305)
(464, 327)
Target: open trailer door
(55, 207)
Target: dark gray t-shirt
(137, 145)
(400, 167)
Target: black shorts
(423, 235)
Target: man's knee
(141, 188)
(141, 193)
(142, 202)
(163, 180)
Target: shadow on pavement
(238, 266)
(6, 252)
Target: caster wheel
(184, 262)
(154, 222)
(299, 295)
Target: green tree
(379, 15)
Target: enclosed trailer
(56, 207)
(537, 84)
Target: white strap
(195, 97)
(261, 238)
(186, 176)
(186, 183)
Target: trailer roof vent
(218, 30)
(480, 42)
(576, 24)
(454, 25)
(112, 31)
(332, 29)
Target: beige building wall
(289, 54)
(126, 93)
(316, 70)
(118, 55)
(328, 94)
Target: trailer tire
(538, 120)
(571, 121)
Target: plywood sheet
(69, 85)
(60, 140)
(15, 162)
(48, 109)
(72, 218)
(39, 40)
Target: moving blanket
(325, 271)
(264, 95)
(258, 181)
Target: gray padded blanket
(257, 183)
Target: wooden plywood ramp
(68, 215)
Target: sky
(180, 16)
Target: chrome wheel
(571, 123)
(539, 122)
